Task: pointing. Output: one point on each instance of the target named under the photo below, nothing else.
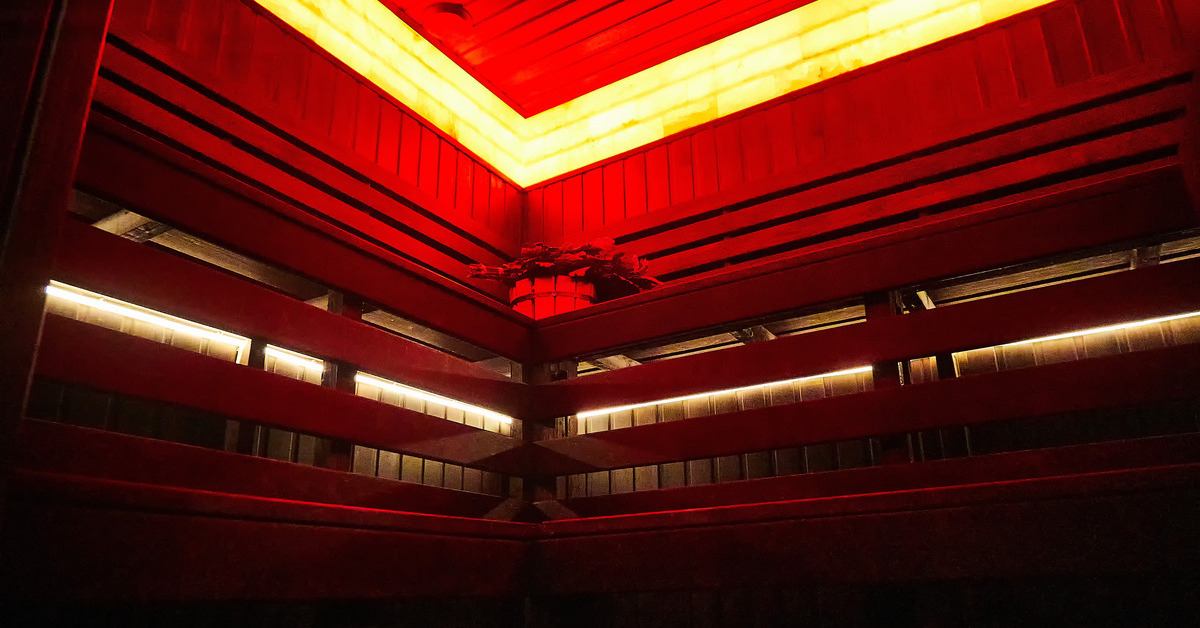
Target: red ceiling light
(447, 20)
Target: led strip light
(603, 411)
(371, 380)
(183, 326)
(295, 359)
(802, 47)
(146, 315)
(1101, 330)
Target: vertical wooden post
(51, 52)
(895, 447)
(883, 305)
(252, 437)
(541, 492)
(340, 375)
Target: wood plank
(464, 194)
(997, 79)
(1167, 290)
(1092, 384)
(136, 367)
(535, 217)
(389, 139)
(198, 40)
(658, 179)
(334, 148)
(1072, 218)
(730, 171)
(352, 218)
(94, 260)
(958, 191)
(614, 192)
(572, 206)
(498, 210)
(52, 53)
(1004, 467)
(1031, 59)
(704, 162)
(813, 136)
(936, 169)
(410, 149)
(226, 216)
(159, 106)
(1026, 529)
(238, 547)
(593, 198)
(554, 212)
(679, 154)
(366, 123)
(447, 175)
(427, 173)
(53, 448)
(1104, 34)
(1064, 40)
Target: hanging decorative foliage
(613, 273)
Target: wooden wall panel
(895, 106)
(244, 53)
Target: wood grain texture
(538, 55)
(136, 367)
(899, 106)
(1112, 381)
(94, 260)
(266, 67)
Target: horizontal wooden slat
(76, 538)
(55, 448)
(95, 260)
(888, 150)
(1053, 139)
(215, 207)
(84, 354)
(1129, 454)
(993, 181)
(1111, 299)
(1137, 205)
(1130, 379)
(282, 162)
(343, 221)
(296, 128)
(1120, 522)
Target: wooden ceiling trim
(820, 40)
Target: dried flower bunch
(613, 272)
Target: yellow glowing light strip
(295, 359)
(370, 380)
(603, 411)
(1101, 330)
(815, 42)
(146, 315)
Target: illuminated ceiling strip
(800, 48)
(371, 380)
(145, 315)
(603, 411)
(1102, 330)
(295, 359)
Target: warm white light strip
(603, 411)
(370, 380)
(146, 315)
(1101, 330)
(295, 359)
(809, 44)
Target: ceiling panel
(536, 54)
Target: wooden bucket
(540, 297)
